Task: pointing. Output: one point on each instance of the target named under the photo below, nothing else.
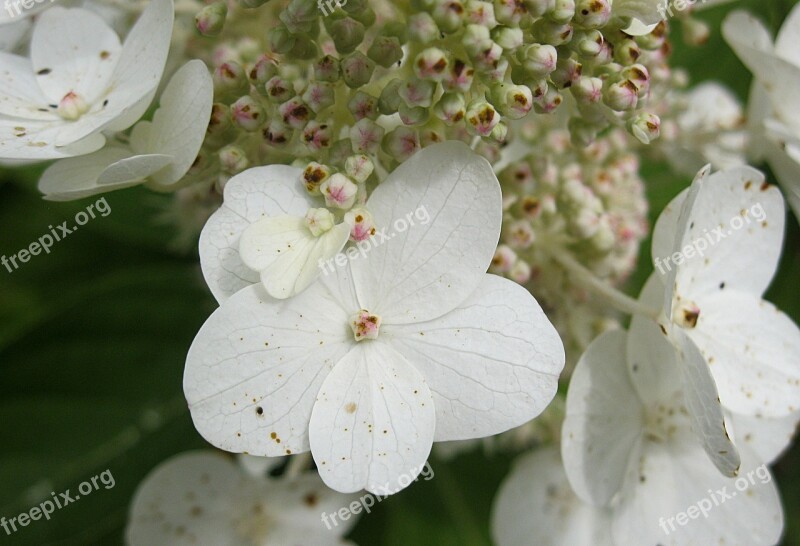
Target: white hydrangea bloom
(412, 344)
(774, 100)
(204, 497)
(627, 444)
(159, 152)
(80, 81)
(536, 505)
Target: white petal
(644, 10)
(179, 125)
(732, 238)
(535, 505)
(753, 350)
(424, 271)
(787, 44)
(492, 363)
(752, 43)
(13, 33)
(7, 18)
(373, 422)
(255, 367)
(638, 28)
(136, 75)
(673, 479)
(249, 196)
(767, 437)
(73, 50)
(133, 170)
(286, 254)
(24, 139)
(77, 177)
(604, 421)
(20, 95)
(186, 500)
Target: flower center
(72, 106)
(365, 325)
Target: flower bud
(448, 15)
(645, 127)
(568, 71)
(211, 19)
(416, 115)
(314, 175)
(508, 38)
(640, 77)
(359, 168)
(582, 133)
(459, 77)
(304, 49)
(230, 79)
(327, 69)
(520, 272)
(548, 101)
(431, 64)
(695, 31)
(451, 108)
(72, 106)
(233, 159)
(481, 118)
(260, 74)
(347, 34)
(278, 89)
(220, 120)
(480, 13)
(499, 134)
(519, 234)
(622, 96)
(251, 4)
(316, 135)
(591, 44)
(319, 221)
(390, 100)
(512, 101)
(627, 52)
(655, 40)
(401, 143)
(277, 134)
(588, 90)
(294, 113)
(362, 222)
(540, 60)
(416, 92)
(549, 32)
(366, 136)
(318, 96)
(362, 105)
(504, 258)
(509, 12)
(280, 39)
(247, 114)
(339, 191)
(385, 51)
(422, 28)
(299, 16)
(592, 13)
(476, 39)
(561, 12)
(357, 69)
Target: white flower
(268, 227)
(774, 100)
(627, 444)
(80, 81)
(716, 247)
(536, 505)
(13, 34)
(15, 11)
(456, 354)
(159, 153)
(645, 11)
(203, 497)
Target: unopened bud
(357, 69)
(294, 113)
(327, 69)
(645, 127)
(211, 19)
(504, 258)
(416, 115)
(233, 159)
(562, 11)
(509, 12)
(540, 59)
(592, 13)
(362, 105)
(390, 99)
(339, 191)
(480, 13)
(416, 92)
(314, 175)
(481, 118)
(448, 15)
(513, 101)
(319, 95)
(362, 222)
(422, 28)
(451, 108)
(359, 167)
(72, 106)
(508, 38)
(247, 114)
(401, 143)
(316, 135)
(622, 96)
(366, 136)
(319, 221)
(230, 79)
(385, 51)
(347, 34)
(277, 134)
(431, 64)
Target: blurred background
(93, 338)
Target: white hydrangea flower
(716, 248)
(204, 497)
(80, 81)
(268, 228)
(627, 444)
(159, 153)
(411, 344)
(774, 100)
(536, 505)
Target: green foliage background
(93, 338)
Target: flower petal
(20, 95)
(425, 270)
(645, 11)
(256, 365)
(492, 363)
(753, 350)
(373, 422)
(73, 50)
(25, 139)
(669, 479)
(179, 125)
(787, 44)
(286, 253)
(249, 196)
(604, 421)
(767, 437)
(535, 505)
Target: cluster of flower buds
(588, 203)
